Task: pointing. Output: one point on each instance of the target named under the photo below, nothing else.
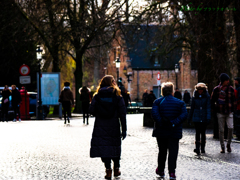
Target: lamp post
(117, 66)
(176, 72)
(39, 58)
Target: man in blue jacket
(168, 113)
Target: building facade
(144, 66)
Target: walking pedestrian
(16, 101)
(200, 114)
(224, 101)
(237, 95)
(178, 94)
(5, 103)
(168, 113)
(126, 98)
(186, 97)
(85, 97)
(151, 98)
(66, 98)
(144, 97)
(108, 107)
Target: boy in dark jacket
(67, 100)
(169, 114)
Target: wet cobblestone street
(51, 150)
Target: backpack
(106, 104)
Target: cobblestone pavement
(51, 150)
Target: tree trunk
(55, 69)
(236, 16)
(78, 74)
(221, 62)
(204, 62)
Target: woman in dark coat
(200, 114)
(5, 103)
(109, 109)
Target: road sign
(25, 79)
(24, 70)
(158, 82)
(158, 76)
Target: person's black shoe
(197, 151)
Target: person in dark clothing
(200, 114)
(126, 97)
(150, 98)
(85, 97)
(16, 101)
(5, 103)
(237, 94)
(109, 110)
(186, 97)
(66, 98)
(144, 97)
(121, 86)
(178, 94)
(224, 103)
(168, 113)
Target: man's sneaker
(161, 174)
(14, 120)
(172, 176)
(19, 120)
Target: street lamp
(39, 58)
(118, 66)
(176, 72)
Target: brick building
(141, 56)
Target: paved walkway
(51, 150)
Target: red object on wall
(158, 76)
(24, 107)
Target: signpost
(24, 70)
(158, 82)
(25, 79)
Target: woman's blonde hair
(107, 81)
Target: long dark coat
(106, 136)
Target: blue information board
(50, 88)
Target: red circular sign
(24, 70)
(158, 76)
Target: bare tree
(84, 24)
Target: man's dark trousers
(172, 145)
(16, 111)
